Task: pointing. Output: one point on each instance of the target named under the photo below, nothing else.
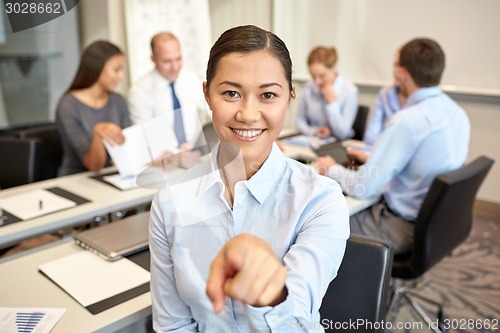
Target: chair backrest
(359, 125)
(445, 218)
(19, 158)
(51, 150)
(360, 290)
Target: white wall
(104, 19)
(366, 34)
(226, 14)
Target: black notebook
(115, 240)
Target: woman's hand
(96, 157)
(110, 133)
(328, 93)
(247, 270)
(323, 132)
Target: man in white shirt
(167, 88)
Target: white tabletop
(23, 286)
(306, 153)
(104, 199)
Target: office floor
(467, 282)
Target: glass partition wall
(36, 67)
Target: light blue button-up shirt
(428, 137)
(339, 116)
(386, 105)
(303, 216)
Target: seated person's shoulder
(351, 85)
(68, 104)
(66, 99)
(387, 90)
(189, 76)
(308, 88)
(145, 83)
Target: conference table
(104, 199)
(24, 287)
(22, 284)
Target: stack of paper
(90, 279)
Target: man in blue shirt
(389, 101)
(428, 137)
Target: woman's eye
(231, 94)
(268, 95)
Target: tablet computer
(338, 152)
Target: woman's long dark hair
(246, 39)
(93, 59)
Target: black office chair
(443, 222)
(359, 125)
(19, 161)
(360, 290)
(51, 151)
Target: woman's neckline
(90, 101)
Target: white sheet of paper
(144, 142)
(35, 203)
(89, 278)
(123, 183)
(149, 177)
(22, 319)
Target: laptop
(115, 240)
(339, 154)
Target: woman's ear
(292, 92)
(205, 92)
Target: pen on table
(40, 204)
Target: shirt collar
(211, 175)
(260, 185)
(422, 94)
(164, 80)
(263, 181)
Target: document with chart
(29, 320)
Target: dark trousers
(380, 222)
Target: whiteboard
(188, 20)
(366, 34)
